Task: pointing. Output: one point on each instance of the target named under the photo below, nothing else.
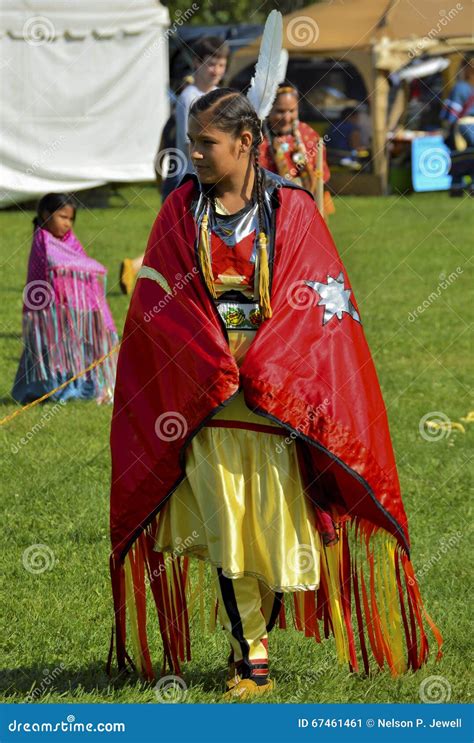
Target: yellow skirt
(242, 506)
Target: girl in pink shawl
(67, 323)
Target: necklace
(221, 206)
(218, 203)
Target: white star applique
(335, 298)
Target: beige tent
(377, 37)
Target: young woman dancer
(249, 430)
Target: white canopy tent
(84, 90)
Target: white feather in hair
(264, 84)
(282, 66)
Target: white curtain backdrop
(84, 93)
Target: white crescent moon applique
(147, 272)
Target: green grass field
(55, 487)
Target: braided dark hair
(232, 114)
(51, 203)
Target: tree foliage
(214, 12)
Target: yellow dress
(242, 506)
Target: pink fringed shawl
(67, 323)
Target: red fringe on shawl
(358, 601)
(171, 609)
(368, 606)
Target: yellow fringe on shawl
(199, 593)
(330, 566)
(368, 599)
(134, 585)
(394, 627)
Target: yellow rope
(264, 277)
(61, 386)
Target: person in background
(290, 147)
(457, 116)
(67, 323)
(210, 62)
(165, 180)
(163, 163)
(365, 126)
(344, 139)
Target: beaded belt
(240, 315)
